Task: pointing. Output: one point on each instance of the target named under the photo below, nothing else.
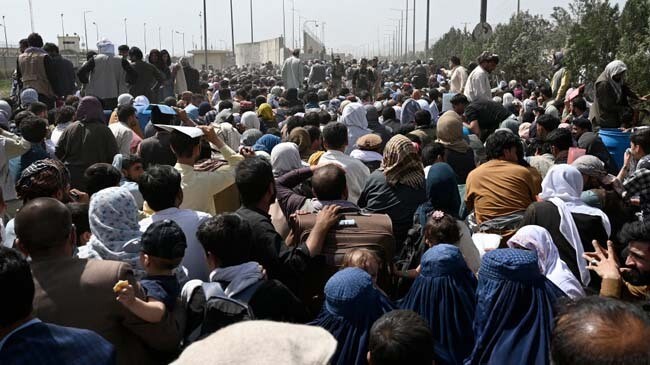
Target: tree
(593, 39)
(455, 43)
(634, 45)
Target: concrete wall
(261, 52)
(312, 47)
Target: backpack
(409, 257)
(209, 309)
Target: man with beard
(632, 281)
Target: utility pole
(483, 11)
(406, 31)
(284, 32)
(172, 43)
(465, 24)
(518, 6)
(159, 39)
(6, 52)
(126, 34)
(293, 23)
(426, 41)
(31, 15)
(62, 29)
(205, 35)
(145, 38)
(232, 29)
(413, 28)
(85, 28)
(251, 5)
(183, 34)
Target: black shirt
(489, 114)
(156, 150)
(164, 288)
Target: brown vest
(32, 69)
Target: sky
(349, 26)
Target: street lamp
(85, 29)
(172, 43)
(159, 39)
(96, 30)
(145, 37)
(126, 34)
(6, 52)
(62, 31)
(183, 34)
(251, 4)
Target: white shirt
(194, 261)
(58, 131)
(458, 79)
(478, 85)
(123, 137)
(356, 173)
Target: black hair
(459, 99)
(311, 97)
(100, 176)
(274, 131)
(33, 129)
(548, 122)
(364, 95)
(329, 182)
(228, 237)
(259, 100)
(335, 135)
(53, 221)
(37, 107)
(528, 117)
(124, 112)
(51, 48)
(635, 231)
(123, 48)
(224, 94)
(455, 60)
(422, 118)
(129, 160)
(225, 104)
(582, 123)
(546, 91)
(324, 117)
(579, 103)
(65, 114)
(400, 337)
(388, 113)
(294, 122)
(314, 132)
(170, 101)
(159, 186)
(498, 142)
(641, 138)
(312, 119)
(431, 152)
(135, 53)
(560, 138)
(35, 40)
(79, 214)
(15, 278)
(443, 230)
(253, 177)
(597, 330)
(182, 144)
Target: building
(69, 43)
(217, 59)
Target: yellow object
(120, 285)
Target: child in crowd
(34, 130)
(363, 259)
(440, 228)
(163, 247)
(79, 213)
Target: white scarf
(562, 186)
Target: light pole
(96, 31)
(413, 28)
(86, 29)
(293, 23)
(426, 42)
(159, 39)
(401, 29)
(284, 30)
(62, 29)
(205, 35)
(172, 43)
(183, 34)
(304, 25)
(406, 31)
(232, 29)
(6, 52)
(251, 5)
(126, 34)
(145, 37)
(31, 15)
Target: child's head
(640, 143)
(441, 228)
(163, 246)
(227, 240)
(79, 213)
(363, 259)
(33, 129)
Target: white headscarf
(508, 98)
(354, 115)
(538, 239)
(106, 47)
(250, 120)
(612, 69)
(562, 186)
(285, 157)
(141, 100)
(124, 99)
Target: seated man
(160, 186)
(484, 117)
(423, 127)
(199, 187)
(132, 168)
(79, 293)
(560, 141)
(335, 141)
(632, 281)
(400, 337)
(581, 129)
(599, 331)
(257, 191)
(500, 190)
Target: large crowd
(320, 212)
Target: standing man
(420, 76)
(35, 70)
(338, 71)
(457, 77)
(148, 76)
(64, 76)
(376, 70)
(292, 71)
(561, 77)
(363, 78)
(317, 73)
(478, 83)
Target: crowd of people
(319, 212)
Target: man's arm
(14, 146)
(131, 74)
(231, 156)
(50, 73)
(289, 200)
(85, 70)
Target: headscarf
(301, 137)
(409, 108)
(5, 107)
(333, 106)
(514, 310)
(442, 193)
(90, 110)
(106, 47)
(42, 178)
(538, 239)
(524, 130)
(114, 226)
(265, 112)
(352, 305)
(28, 96)
(250, 136)
(285, 157)
(562, 186)
(511, 124)
(444, 294)
(590, 165)
(612, 69)
(354, 118)
(449, 132)
(141, 100)
(250, 120)
(402, 164)
(124, 99)
(314, 159)
(266, 143)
